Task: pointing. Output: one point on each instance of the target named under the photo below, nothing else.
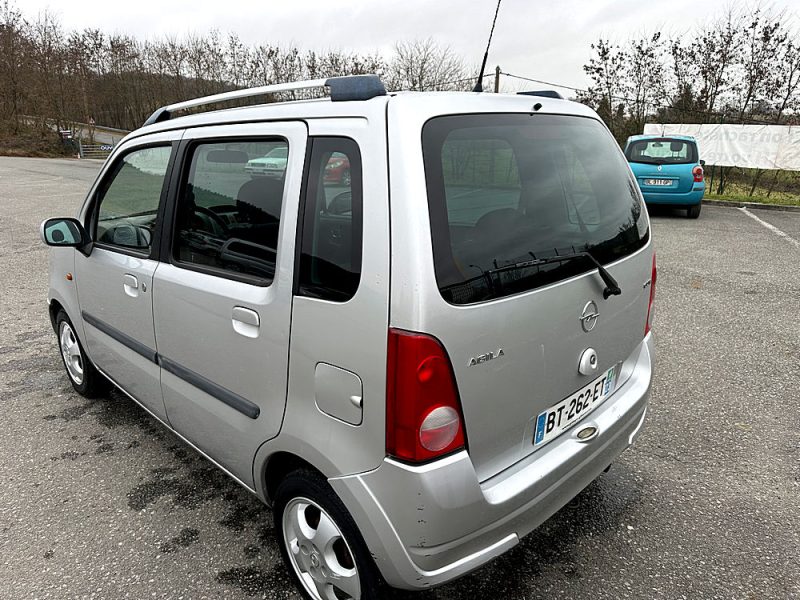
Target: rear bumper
(685, 199)
(427, 525)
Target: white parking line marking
(772, 228)
(64, 195)
(35, 183)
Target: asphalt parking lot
(97, 500)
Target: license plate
(658, 182)
(560, 417)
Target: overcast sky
(542, 39)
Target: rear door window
(229, 209)
(506, 190)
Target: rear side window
(662, 151)
(506, 190)
(330, 247)
(128, 202)
(229, 209)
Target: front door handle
(245, 321)
(130, 284)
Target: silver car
(415, 367)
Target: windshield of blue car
(662, 151)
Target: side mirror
(64, 232)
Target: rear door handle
(130, 284)
(245, 321)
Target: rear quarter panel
(523, 326)
(351, 335)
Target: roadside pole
(497, 79)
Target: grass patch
(738, 191)
(783, 187)
(779, 200)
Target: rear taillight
(652, 296)
(698, 174)
(423, 413)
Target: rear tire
(320, 543)
(693, 211)
(83, 376)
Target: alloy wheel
(319, 553)
(71, 352)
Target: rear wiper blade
(612, 287)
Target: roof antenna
(479, 85)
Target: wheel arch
(57, 305)
(53, 309)
(274, 469)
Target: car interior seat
(258, 204)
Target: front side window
(507, 190)
(128, 203)
(229, 208)
(330, 252)
(662, 151)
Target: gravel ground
(97, 500)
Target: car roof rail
(342, 89)
(543, 93)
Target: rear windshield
(662, 151)
(505, 190)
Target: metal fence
(98, 151)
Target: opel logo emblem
(589, 316)
(659, 167)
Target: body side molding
(122, 338)
(235, 401)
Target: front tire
(83, 376)
(693, 211)
(320, 543)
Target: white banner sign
(749, 146)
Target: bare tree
(606, 69)
(425, 65)
(49, 60)
(261, 65)
(786, 84)
(787, 80)
(764, 37)
(15, 46)
(645, 77)
(237, 62)
(682, 103)
(712, 54)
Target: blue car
(669, 170)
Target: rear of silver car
(500, 216)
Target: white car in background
(273, 164)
